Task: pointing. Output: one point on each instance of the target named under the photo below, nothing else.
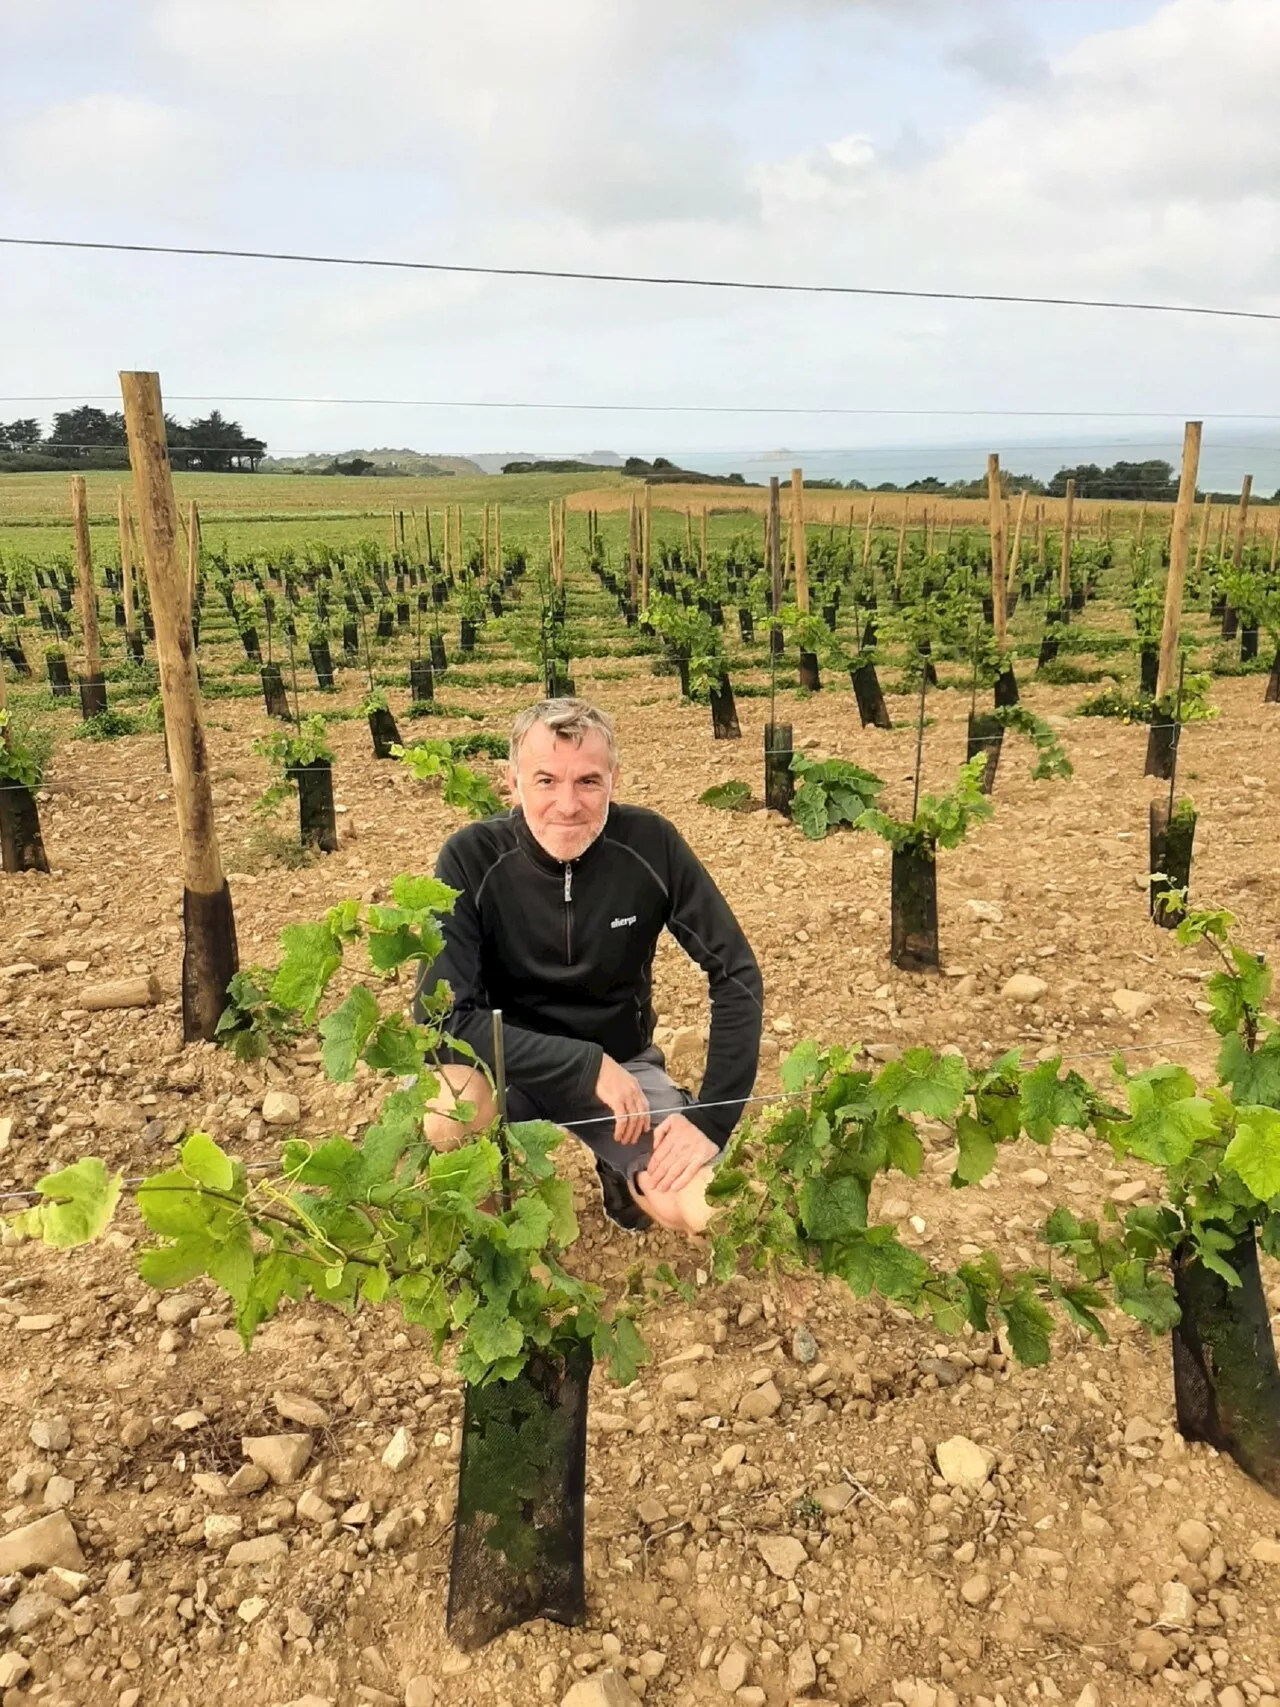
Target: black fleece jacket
(566, 951)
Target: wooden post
(209, 958)
(1179, 542)
(484, 542)
(1222, 534)
(995, 512)
(773, 553)
(800, 542)
(563, 535)
(551, 540)
(1041, 541)
(1013, 566)
(393, 533)
(1142, 528)
(84, 579)
(426, 520)
(1242, 516)
(688, 532)
(1204, 531)
(497, 540)
(902, 542)
(1064, 572)
(126, 561)
(866, 538)
(702, 544)
(633, 554)
(193, 552)
(646, 542)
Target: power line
(666, 408)
(694, 281)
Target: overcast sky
(1098, 147)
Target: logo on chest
(617, 924)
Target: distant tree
(930, 483)
(1152, 480)
(76, 431)
(219, 446)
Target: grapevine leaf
(1144, 1296)
(529, 1225)
(800, 1066)
(557, 1194)
(920, 1082)
(471, 1170)
(726, 796)
(832, 1208)
(977, 1151)
(395, 1047)
(535, 1140)
(809, 810)
(207, 1163)
(1029, 1325)
(423, 894)
(346, 1031)
(1080, 1304)
(492, 1333)
(311, 957)
(620, 1344)
(1049, 1102)
(375, 1284)
(79, 1202)
(1254, 1078)
(1253, 1155)
(171, 1205)
(167, 1266)
(230, 1264)
(903, 1149)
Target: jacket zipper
(568, 915)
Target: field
(1098, 1558)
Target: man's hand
(680, 1152)
(618, 1090)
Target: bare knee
(445, 1124)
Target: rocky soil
(805, 1497)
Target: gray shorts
(593, 1121)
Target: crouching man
(561, 905)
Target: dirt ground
(1103, 1560)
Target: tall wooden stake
(193, 552)
(633, 554)
(1204, 530)
(646, 542)
(866, 538)
(84, 581)
(1242, 517)
(1014, 565)
(497, 540)
(1068, 516)
(995, 511)
(210, 958)
(1179, 545)
(799, 539)
(702, 544)
(902, 542)
(126, 561)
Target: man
(561, 905)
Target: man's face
(564, 790)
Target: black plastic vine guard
(913, 929)
(1169, 848)
(1248, 644)
(1006, 688)
(59, 675)
(779, 780)
(321, 662)
(985, 735)
(438, 659)
(273, 695)
(724, 711)
(382, 726)
(810, 679)
(93, 696)
(21, 845)
(1148, 669)
(1226, 1382)
(318, 824)
(1272, 695)
(1162, 746)
(870, 696)
(520, 1522)
(421, 680)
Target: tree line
(91, 438)
(1153, 480)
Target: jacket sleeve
(556, 1070)
(703, 924)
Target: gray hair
(568, 720)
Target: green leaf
(619, 1345)
(167, 1266)
(801, 1066)
(921, 1082)
(557, 1194)
(1080, 1304)
(311, 957)
(346, 1031)
(230, 1264)
(1049, 1102)
(423, 894)
(832, 1208)
(375, 1284)
(535, 1140)
(492, 1334)
(472, 1169)
(529, 1224)
(809, 810)
(171, 1205)
(1144, 1296)
(977, 1151)
(206, 1163)
(1029, 1325)
(396, 1047)
(1254, 1078)
(1253, 1155)
(79, 1203)
(902, 1149)
(726, 796)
